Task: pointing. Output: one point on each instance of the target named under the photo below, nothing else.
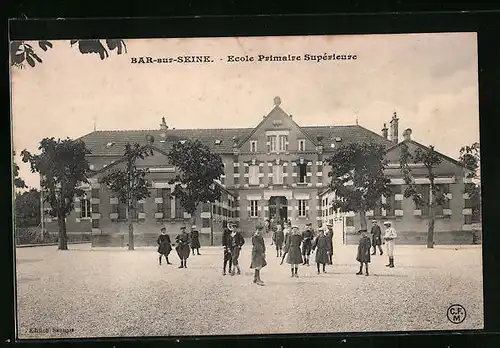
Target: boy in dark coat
(164, 246)
(195, 239)
(237, 242)
(320, 244)
(329, 236)
(364, 247)
(376, 238)
(182, 247)
(226, 243)
(278, 240)
(307, 237)
(258, 254)
(292, 249)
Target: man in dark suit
(376, 238)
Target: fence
(33, 235)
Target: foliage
(22, 51)
(130, 184)
(470, 159)
(358, 178)
(63, 168)
(18, 182)
(199, 168)
(27, 208)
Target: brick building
(273, 169)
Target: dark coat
(226, 243)
(364, 250)
(307, 237)
(320, 243)
(182, 246)
(377, 235)
(292, 248)
(279, 238)
(258, 252)
(164, 244)
(329, 237)
(195, 239)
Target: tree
(470, 159)
(358, 179)
(63, 168)
(430, 159)
(22, 51)
(130, 183)
(28, 208)
(18, 182)
(199, 168)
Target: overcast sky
(431, 80)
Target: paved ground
(109, 292)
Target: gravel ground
(108, 292)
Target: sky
(430, 80)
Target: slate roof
(97, 141)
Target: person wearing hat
(237, 242)
(258, 254)
(329, 238)
(363, 256)
(227, 243)
(389, 236)
(292, 250)
(307, 237)
(182, 247)
(195, 240)
(279, 237)
(164, 245)
(322, 247)
(376, 238)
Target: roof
(426, 148)
(96, 141)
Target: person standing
(287, 230)
(278, 240)
(376, 238)
(195, 240)
(363, 256)
(329, 237)
(237, 242)
(273, 236)
(389, 236)
(258, 254)
(164, 245)
(322, 247)
(182, 247)
(292, 250)
(307, 237)
(226, 243)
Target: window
(95, 208)
(253, 146)
(302, 145)
(253, 208)
(271, 143)
(349, 221)
(424, 191)
(393, 204)
(95, 193)
(122, 211)
(253, 175)
(167, 203)
(236, 170)
(443, 189)
(302, 172)
(283, 143)
(205, 222)
(179, 210)
(278, 174)
(302, 207)
(95, 223)
(85, 208)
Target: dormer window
(302, 145)
(253, 146)
(108, 145)
(218, 141)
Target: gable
(277, 122)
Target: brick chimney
(407, 134)
(384, 131)
(394, 128)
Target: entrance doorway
(278, 208)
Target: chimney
(163, 124)
(384, 131)
(394, 128)
(407, 134)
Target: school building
(276, 168)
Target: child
(227, 243)
(320, 243)
(364, 247)
(258, 254)
(279, 237)
(292, 249)
(164, 246)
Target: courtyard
(109, 292)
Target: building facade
(276, 169)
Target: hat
(295, 226)
(329, 225)
(362, 231)
(183, 228)
(309, 224)
(163, 229)
(194, 226)
(322, 228)
(387, 223)
(374, 220)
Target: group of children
(184, 243)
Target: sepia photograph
(246, 185)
